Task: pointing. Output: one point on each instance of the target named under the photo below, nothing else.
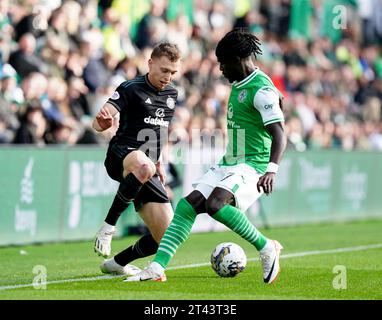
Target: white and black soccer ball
(228, 259)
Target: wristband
(272, 167)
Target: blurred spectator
(117, 42)
(33, 19)
(5, 134)
(24, 59)
(34, 87)
(152, 27)
(78, 103)
(127, 69)
(64, 132)
(60, 60)
(96, 71)
(54, 101)
(9, 89)
(33, 126)
(295, 134)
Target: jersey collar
(246, 79)
(149, 83)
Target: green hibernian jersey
(253, 104)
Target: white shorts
(241, 180)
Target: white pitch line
(294, 255)
(16, 286)
(195, 265)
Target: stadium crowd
(61, 59)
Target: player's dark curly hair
(239, 42)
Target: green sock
(177, 232)
(239, 223)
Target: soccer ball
(228, 259)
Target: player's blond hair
(169, 50)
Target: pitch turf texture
(310, 254)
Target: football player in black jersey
(145, 106)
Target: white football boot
(153, 272)
(111, 267)
(102, 243)
(270, 260)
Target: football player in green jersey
(249, 166)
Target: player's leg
(177, 232)
(185, 214)
(136, 170)
(221, 206)
(154, 207)
(157, 217)
(227, 204)
(181, 225)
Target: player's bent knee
(135, 159)
(197, 201)
(213, 205)
(144, 171)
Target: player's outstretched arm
(104, 118)
(266, 181)
(279, 141)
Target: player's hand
(161, 172)
(104, 118)
(266, 182)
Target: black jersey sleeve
(120, 97)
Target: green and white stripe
(247, 79)
(239, 223)
(178, 232)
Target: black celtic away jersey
(145, 115)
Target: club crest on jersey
(242, 95)
(115, 95)
(170, 103)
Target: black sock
(127, 191)
(116, 209)
(144, 247)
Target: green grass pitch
(307, 269)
